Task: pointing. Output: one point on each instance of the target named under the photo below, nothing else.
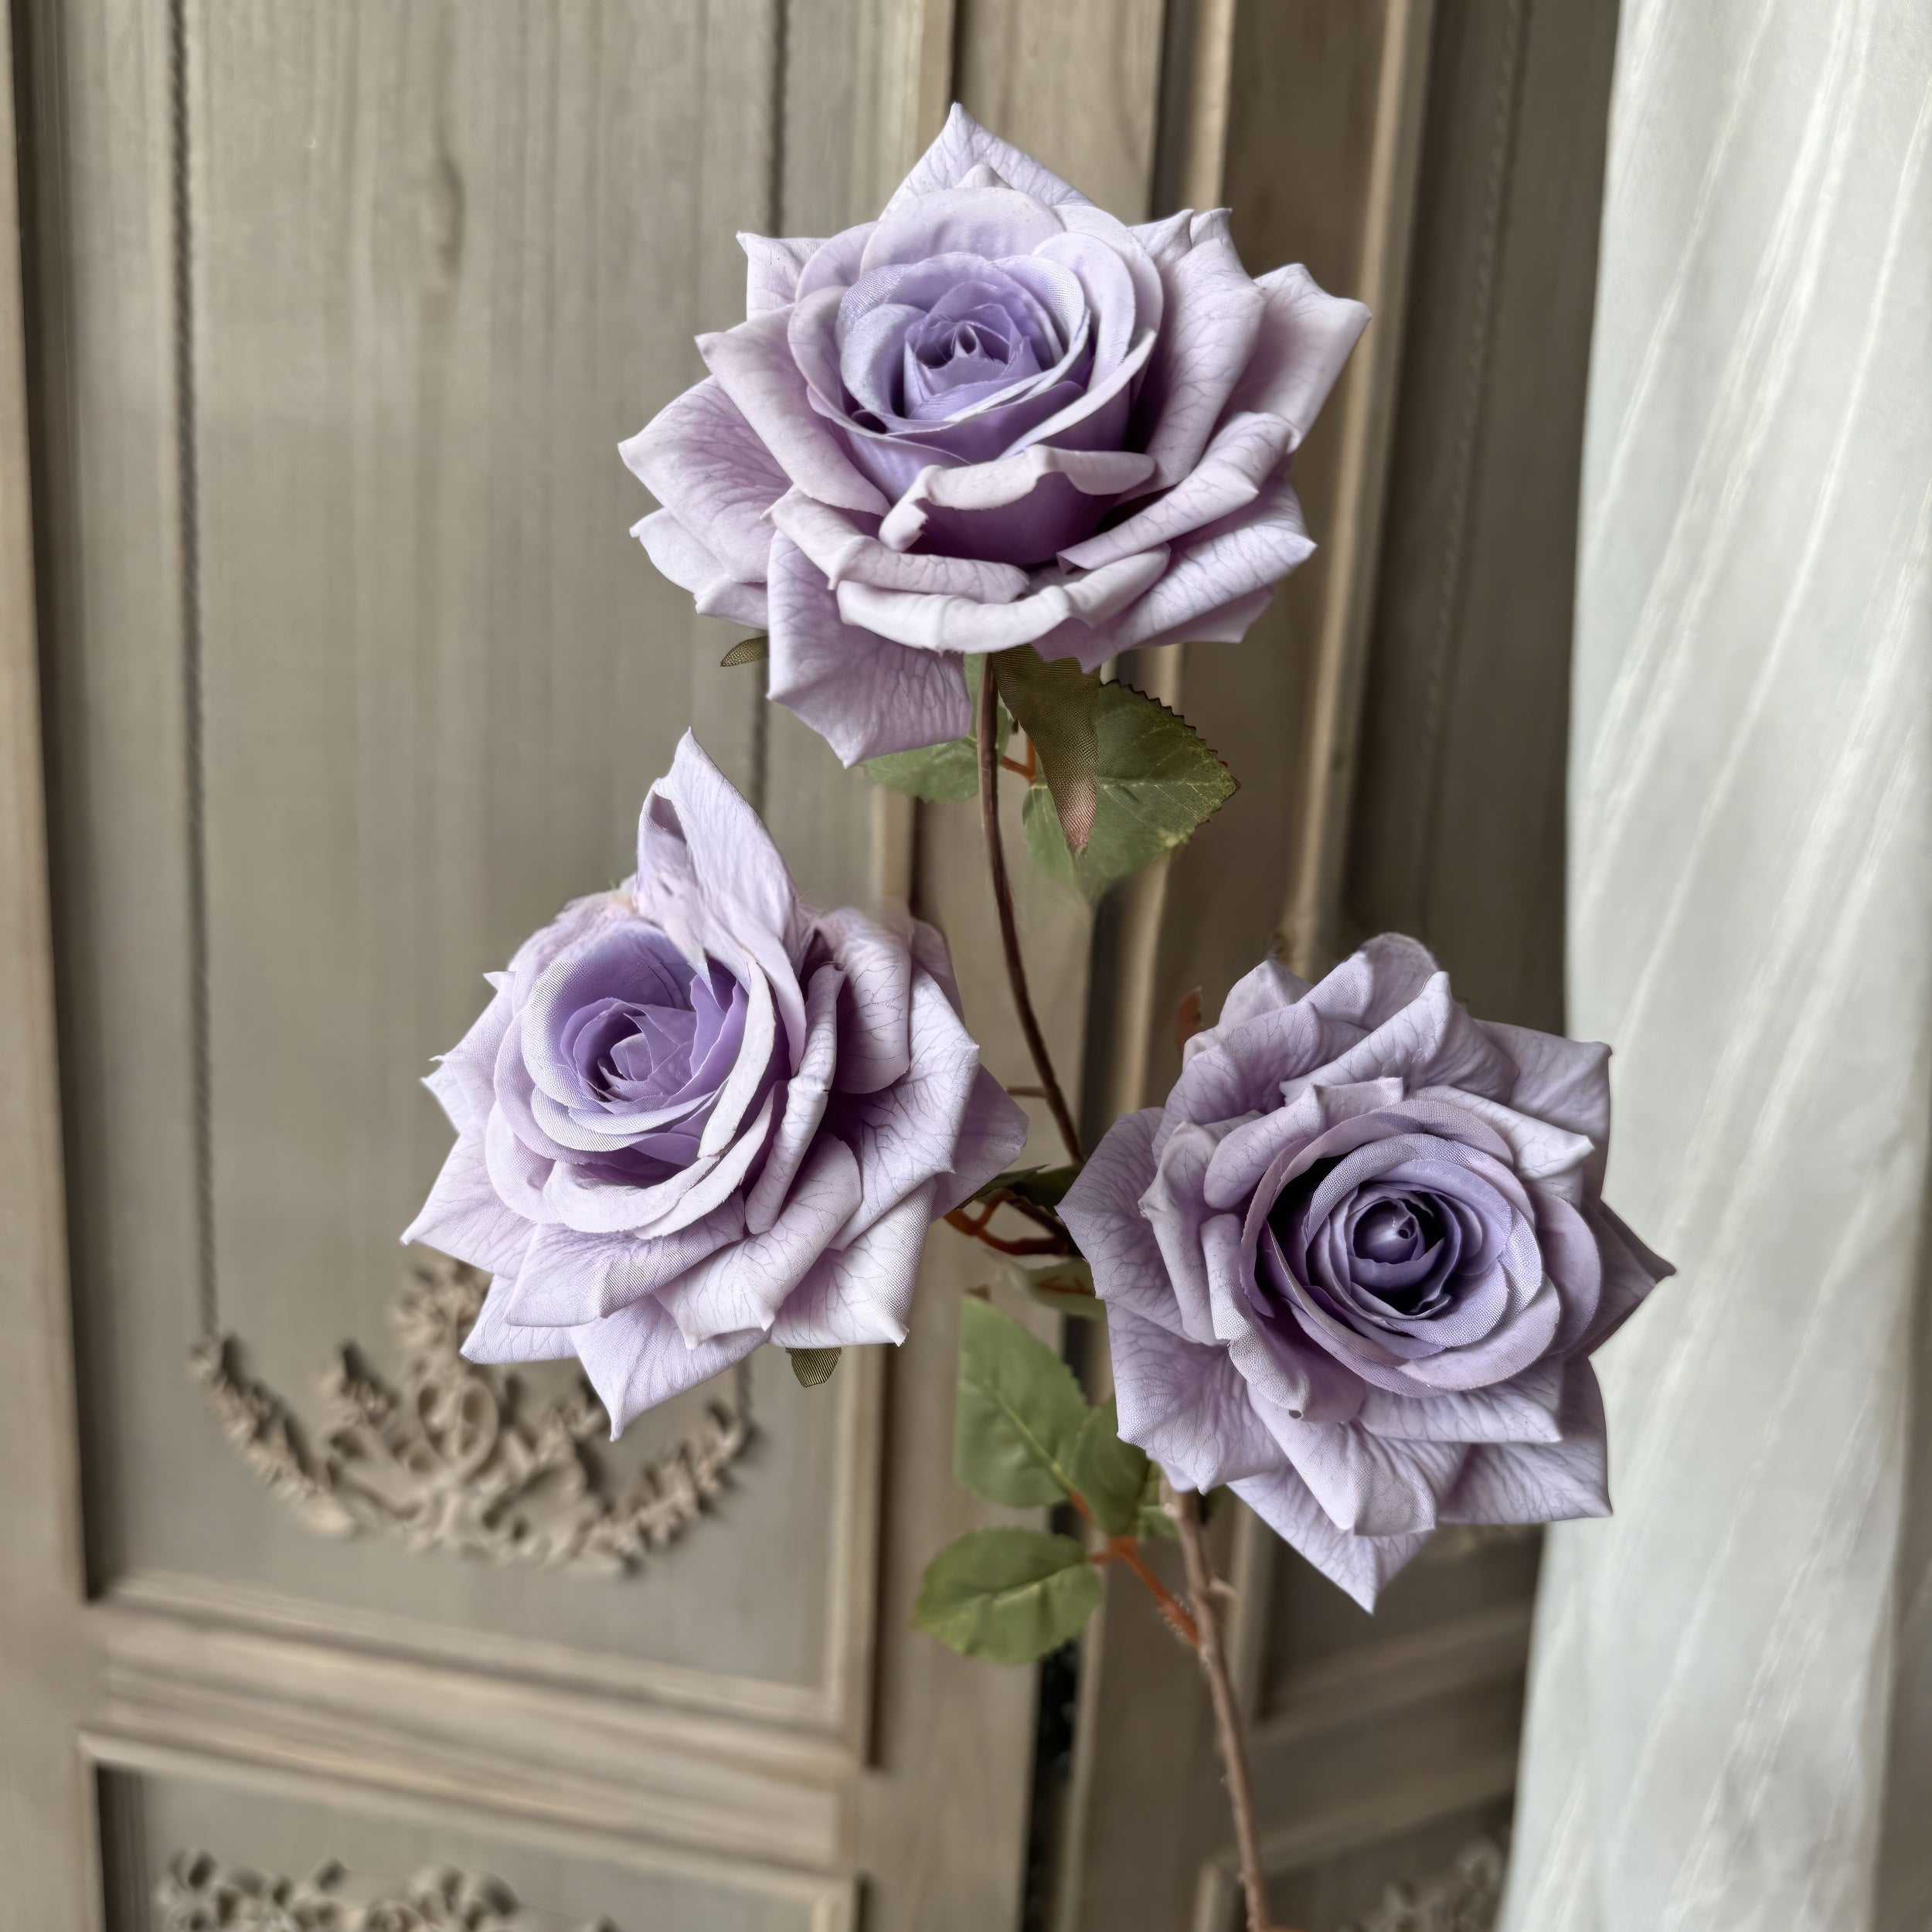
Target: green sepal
(813, 1366)
(1044, 1186)
(1111, 1474)
(1018, 1412)
(1008, 1595)
(752, 650)
(1065, 1285)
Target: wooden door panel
(184, 1853)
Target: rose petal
(492, 1339)
(964, 145)
(681, 557)
(1102, 1211)
(754, 364)
(1541, 1482)
(1565, 1082)
(1305, 337)
(904, 1135)
(1185, 1405)
(569, 1278)
(874, 1006)
(961, 504)
(952, 624)
(636, 1359)
(463, 1081)
(1524, 1409)
(991, 1136)
(864, 695)
(863, 1293)
(837, 543)
(1214, 316)
(742, 1285)
(1175, 1209)
(1630, 1272)
(1360, 1565)
(806, 1094)
(466, 1217)
(1245, 451)
(1270, 985)
(1370, 1485)
(772, 266)
(700, 458)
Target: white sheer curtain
(1712, 1694)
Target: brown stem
(965, 1223)
(1201, 1585)
(986, 730)
(1126, 1549)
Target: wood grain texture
(45, 1807)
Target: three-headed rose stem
(1202, 1629)
(1185, 1508)
(986, 731)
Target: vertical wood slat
(47, 1825)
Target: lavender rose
(696, 1117)
(1355, 1267)
(996, 416)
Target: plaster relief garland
(197, 1894)
(1466, 1898)
(458, 1458)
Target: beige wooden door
(336, 313)
(314, 593)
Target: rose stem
(1201, 1585)
(1126, 1549)
(988, 734)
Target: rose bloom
(697, 1117)
(1355, 1267)
(996, 416)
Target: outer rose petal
(1360, 1565)
(753, 365)
(864, 1292)
(1370, 1485)
(493, 1339)
(1245, 451)
(1013, 507)
(466, 1217)
(991, 1137)
(1305, 338)
(636, 1359)
(875, 1004)
(742, 1285)
(949, 624)
(1541, 1482)
(862, 694)
(1185, 1405)
(1102, 1211)
(839, 544)
(692, 567)
(772, 264)
(464, 1080)
(568, 1279)
(1214, 321)
(700, 458)
(963, 145)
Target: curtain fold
(1712, 1711)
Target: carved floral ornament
(197, 1894)
(460, 1458)
(1466, 1898)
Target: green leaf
(1044, 1186)
(813, 1366)
(1066, 1286)
(746, 650)
(1008, 1595)
(943, 774)
(1156, 781)
(1111, 1474)
(1017, 1413)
